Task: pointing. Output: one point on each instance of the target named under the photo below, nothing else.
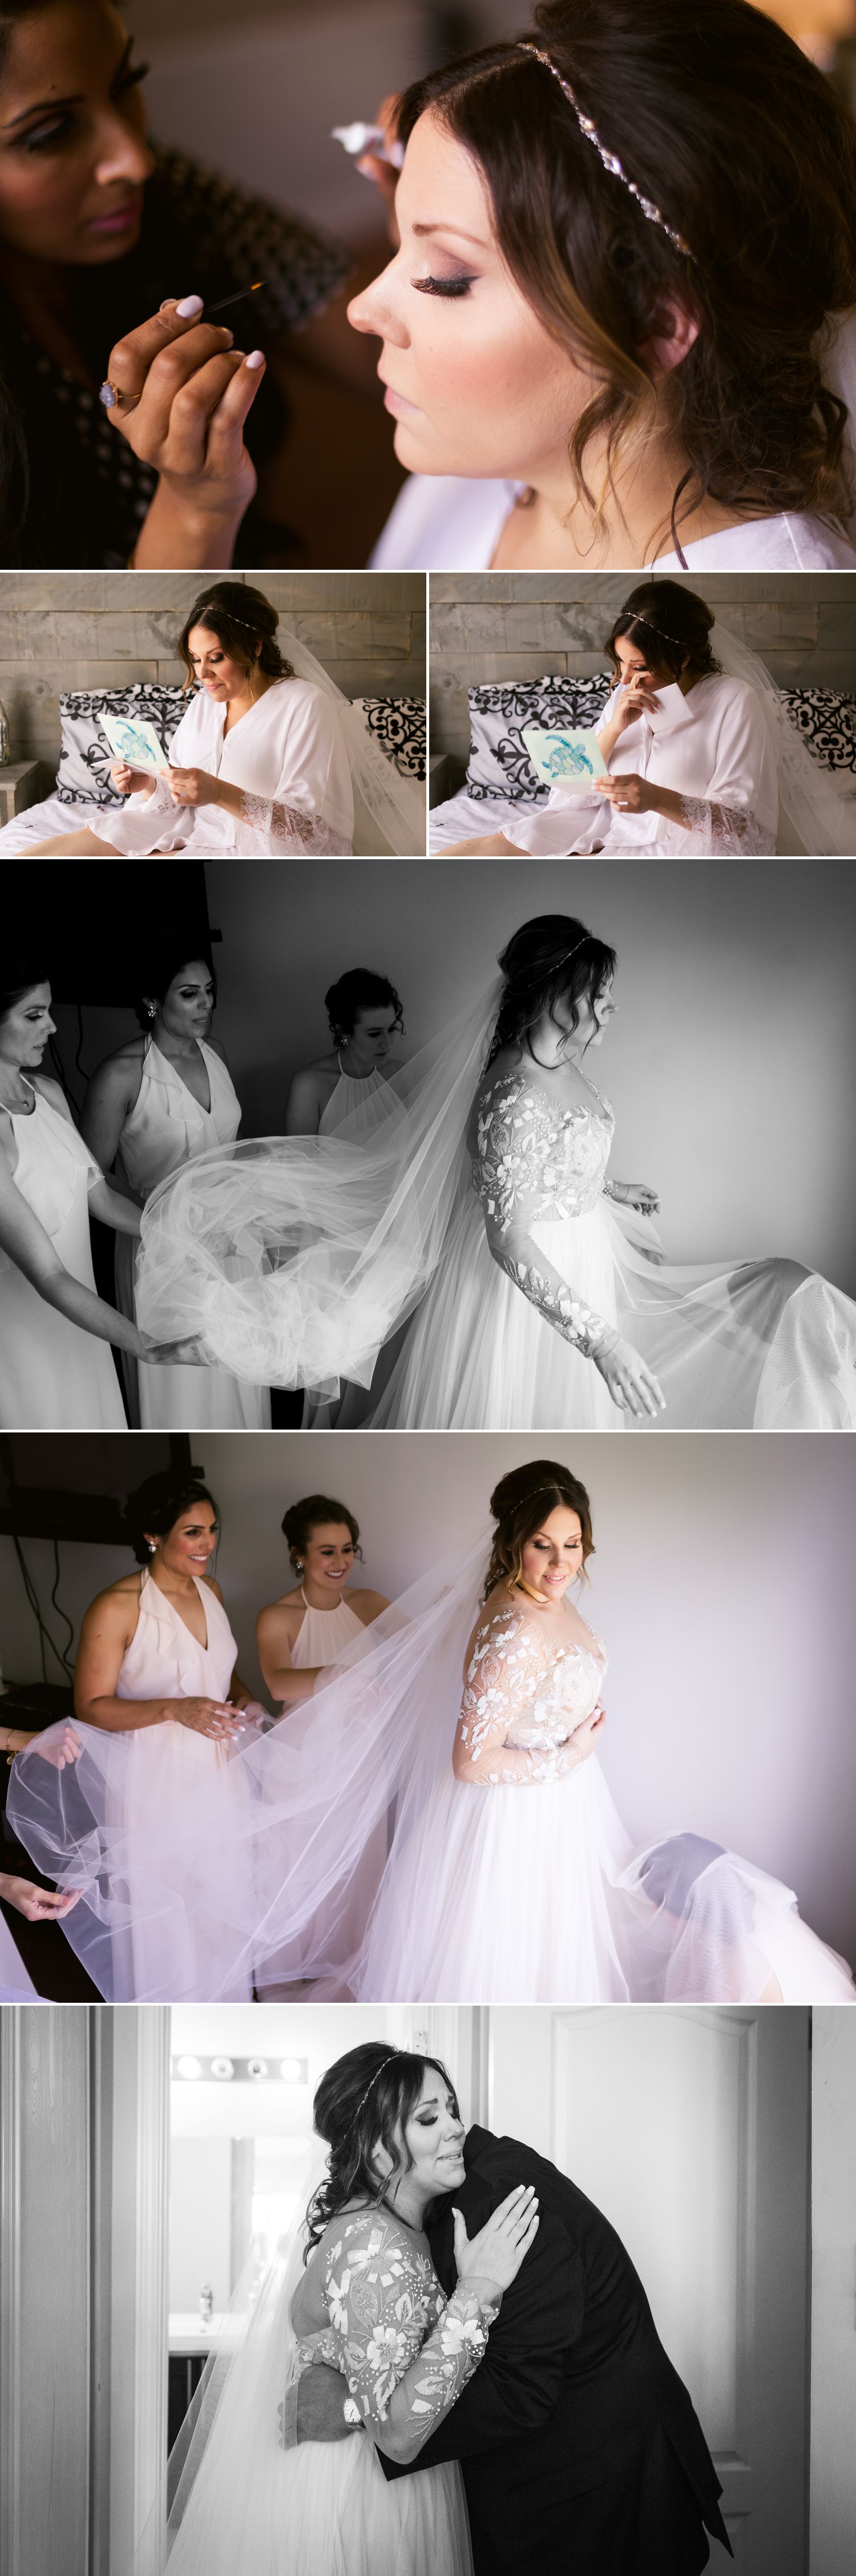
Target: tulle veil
(259, 1858)
(808, 796)
(387, 808)
(221, 2505)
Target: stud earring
(298, 1565)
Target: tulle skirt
(762, 1345)
(329, 2511)
(535, 1895)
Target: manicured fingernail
(256, 358)
(189, 306)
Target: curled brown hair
(310, 1514)
(244, 623)
(670, 624)
(551, 959)
(728, 127)
(521, 1503)
(365, 2099)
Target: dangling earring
(298, 1565)
(151, 1010)
(152, 1546)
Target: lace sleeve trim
(724, 828)
(509, 1661)
(404, 2350)
(287, 827)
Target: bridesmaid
(56, 1369)
(365, 1016)
(162, 1099)
(299, 1637)
(157, 1666)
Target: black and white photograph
(427, 1060)
(561, 2353)
(487, 1160)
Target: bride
(353, 2285)
(267, 761)
(692, 736)
(487, 1895)
(536, 1283)
(603, 345)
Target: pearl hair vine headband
(610, 159)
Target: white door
(689, 2128)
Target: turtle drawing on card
(136, 743)
(571, 753)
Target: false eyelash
(446, 286)
(130, 78)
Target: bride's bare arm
(507, 1662)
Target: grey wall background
(516, 626)
(96, 630)
(731, 1063)
(722, 1586)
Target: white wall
(722, 1584)
(833, 2302)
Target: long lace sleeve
(525, 1152)
(404, 2350)
(508, 1695)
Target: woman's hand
(629, 794)
(636, 698)
(131, 782)
(632, 1385)
(385, 174)
(586, 1737)
(636, 1194)
(39, 1904)
(184, 394)
(491, 2260)
(213, 1717)
(188, 1353)
(194, 787)
(67, 1748)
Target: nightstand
(22, 782)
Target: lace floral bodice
(525, 1694)
(535, 1162)
(528, 1147)
(392, 2332)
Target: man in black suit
(581, 2452)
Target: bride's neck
(628, 522)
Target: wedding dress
(53, 1375)
(299, 1257)
(161, 1926)
(513, 1899)
(453, 523)
(165, 1128)
(243, 2498)
(321, 1640)
(487, 1894)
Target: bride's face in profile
(594, 1019)
(434, 2138)
(634, 665)
(474, 381)
(189, 1545)
(553, 1557)
(25, 1030)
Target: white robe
(715, 748)
(288, 756)
(453, 523)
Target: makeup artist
(109, 250)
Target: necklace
(18, 1108)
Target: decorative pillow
(826, 718)
(85, 756)
(398, 724)
(499, 762)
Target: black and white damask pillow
(499, 763)
(83, 774)
(826, 718)
(398, 724)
